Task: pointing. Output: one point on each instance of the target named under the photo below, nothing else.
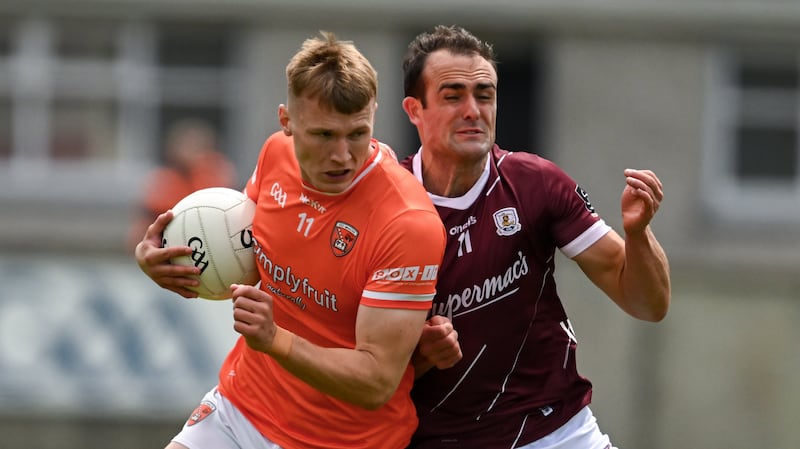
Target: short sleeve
(407, 261)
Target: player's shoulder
(278, 139)
(277, 148)
(524, 166)
(520, 160)
(400, 189)
(385, 149)
(398, 176)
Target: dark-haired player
(505, 213)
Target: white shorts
(580, 432)
(218, 424)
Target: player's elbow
(655, 311)
(655, 316)
(376, 399)
(378, 403)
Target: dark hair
(454, 39)
(334, 72)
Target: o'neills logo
(343, 238)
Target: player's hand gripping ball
(217, 223)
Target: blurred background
(704, 92)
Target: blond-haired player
(348, 246)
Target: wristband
(281, 343)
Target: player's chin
(472, 151)
(473, 143)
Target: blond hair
(333, 72)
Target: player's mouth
(337, 175)
(470, 131)
(340, 172)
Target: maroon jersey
(517, 381)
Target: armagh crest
(343, 238)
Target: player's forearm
(354, 376)
(645, 279)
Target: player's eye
(323, 134)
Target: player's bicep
(603, 262)
(390, 336)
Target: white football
(217, 223)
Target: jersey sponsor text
(285, 276)
(407, 274)
(492, 289)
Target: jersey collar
(460, 202)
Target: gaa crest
(343, 238)
(507, 221)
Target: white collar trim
(460, 202)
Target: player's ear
(283, 119)
(413, 107)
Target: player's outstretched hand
(252, 316)
(641, 199)
(438, 345)
(155, 260)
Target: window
(195, 73)
(752, 162)
(83, 129)
(5, 129)
(84, 102)
(85, 39)
(5, 89)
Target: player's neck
(450, 178)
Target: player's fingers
(244, 316)
(259, 296)
(652, 179)
(156, 228)
(645, 180)
(174, 274)
(445, 344)
(186, 280)
(161, 221)
(252, 305)
(182, 287)
(242, 303)
(151, 258)
(450, 358)
(645, 193)
(435, 335)
(450, 362)
(438, 319)
(245, 328)
(185, 292)
(440, 325)
(165, 255)
(637, 183)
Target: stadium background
(705, 92)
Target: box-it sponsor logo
(407, 274)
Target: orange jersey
(321, 256)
